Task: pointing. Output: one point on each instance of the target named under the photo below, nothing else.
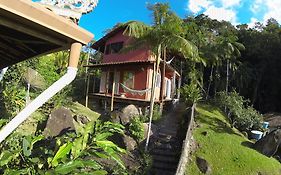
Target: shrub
(191, 93)
(156, 113)
(136, 129)
(241, 115)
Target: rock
(152, 132)
(115, 116)
(128, 112)
(203, 165)
(269, 144)
(59, 122)
(129, 142)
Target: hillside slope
(225, 148)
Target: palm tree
(166, 33)
(230, 51)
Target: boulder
(129, 112)
(115, 116)
(59, 122)
(153, 130)
(203, 165)
(268, 145)
(129, 142)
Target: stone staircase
(166, 148)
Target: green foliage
(156, 116)
(67, 154)
(136, 129)
(191, 93)
(241, 116)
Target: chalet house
(127, 76)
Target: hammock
(134, 92)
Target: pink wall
(140, 54)
(139, 80)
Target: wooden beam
(29, 30)
(163, 72)
(113, 91)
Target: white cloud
(260, 10)
(197, 5)
(274, 7)
(252, 23)
(257, 6)
(267, 9)
(230, 3)
(216, 9)
(221, 13)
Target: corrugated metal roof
(121, 63)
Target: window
(128, 79)
(113, 48)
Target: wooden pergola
(28, 30)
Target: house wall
(140, 80)
(149, 78)
(135, 55)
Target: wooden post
(113, 89)
(87, 81)
(174, 85)
(179, 83)
(163, 81)
(152, 97)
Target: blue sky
(110, 12)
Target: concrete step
(168, 159)
(163, 166)
(161, 172)
(170, 140)
(163, 152)
(167, 132)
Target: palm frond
(135, 29)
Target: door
(113, 77)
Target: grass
(226, 149)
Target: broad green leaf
(69, 167)
(101, 155)
(61, 153)
(100, 172)
(117, 159)
(5, 157)
(26, 147)
(91, 163)
(103, 136)
(76, 147)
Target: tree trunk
(227, 76)
(152, 97)
(210, 82)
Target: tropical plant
(68, 154)
(136, 129)
(241, 115)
